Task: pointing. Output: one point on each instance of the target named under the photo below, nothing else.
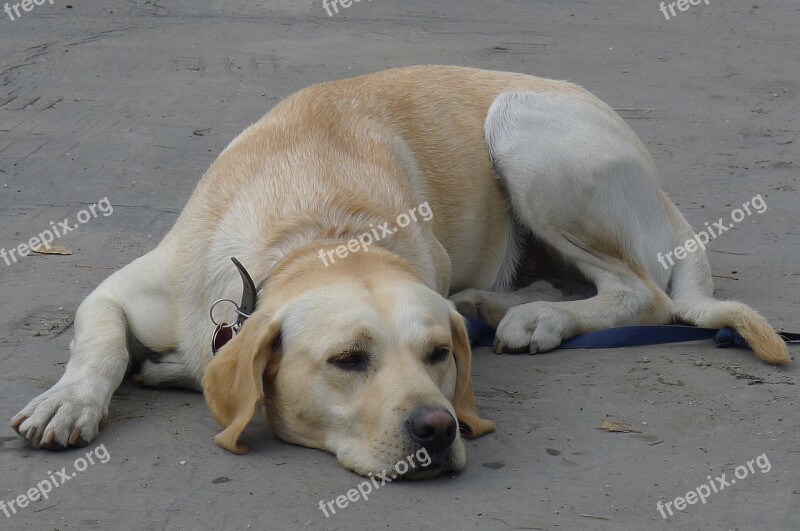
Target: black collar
(249, 293)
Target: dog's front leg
(69, 414)
(136, 299)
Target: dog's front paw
(59, 418)
(466, 302)
(533, 327)
(476, 304)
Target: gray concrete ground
(131, 100)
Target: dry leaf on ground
(45, 248)
(616, 427)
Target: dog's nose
(432, 427)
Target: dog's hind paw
(59, 419)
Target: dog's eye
(350, 361)
(439, 355)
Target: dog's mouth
(429, 472)
(425, 474)
(435, 463)
(418, 464)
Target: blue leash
(481, 334)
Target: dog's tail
(712, 313)
(693, 300)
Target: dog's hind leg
(134, 300)
(624, 296)
(490, 306)
(579, 179)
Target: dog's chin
(428, 472)
(449, 461)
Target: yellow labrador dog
(354, 347)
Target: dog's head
(360, 359)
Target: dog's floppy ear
(469, 422)
(233, 384)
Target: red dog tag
(222, 334)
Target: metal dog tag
(224, 332)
